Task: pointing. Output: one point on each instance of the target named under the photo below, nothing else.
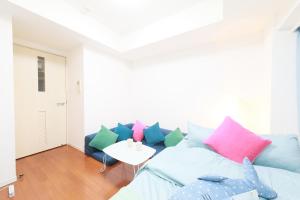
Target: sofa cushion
(173, 138)
(235, 142)
(153, 134)
(123, 132)
(165, 131)
(158, 147)
(103, 138)
(87, 149)
(99, 155)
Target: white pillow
(197, 134)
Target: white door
(40, 100)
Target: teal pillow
(103, 138)
(173, 138)
(123, 131)
(283, 153)
(153, 134)
(197, 134)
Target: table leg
(135, 171)
(104, 164)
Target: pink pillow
(235, 142)
(138, 131)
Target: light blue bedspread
(178, 166)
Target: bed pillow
(197, 134)
(138, 131)
(233, 141)
(283, 153)
(103, 138)
(153, 134)
(173, 138)
(123, 132)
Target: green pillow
(103, 138)
(173, 138)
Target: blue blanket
(179, 166)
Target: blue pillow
(123, 132)
(153, 134)
(197, 134)
(283, 153)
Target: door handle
(60, 103)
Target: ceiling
(125, 16)
(242, 20)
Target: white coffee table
(129, 154)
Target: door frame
(43, 49)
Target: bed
(181, 165)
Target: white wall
(253, 81)
(75, 113)
(98, 93)
(7, 120)
(298, 78)
(106, 90)
(205, 87)
(284, 110)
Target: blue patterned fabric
(220, 188)
(251, 179)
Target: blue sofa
(99, 155)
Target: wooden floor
(65, 173)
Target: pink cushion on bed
(138, 131)
(235, 142)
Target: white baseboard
(8, 181)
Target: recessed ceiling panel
(125, 16)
